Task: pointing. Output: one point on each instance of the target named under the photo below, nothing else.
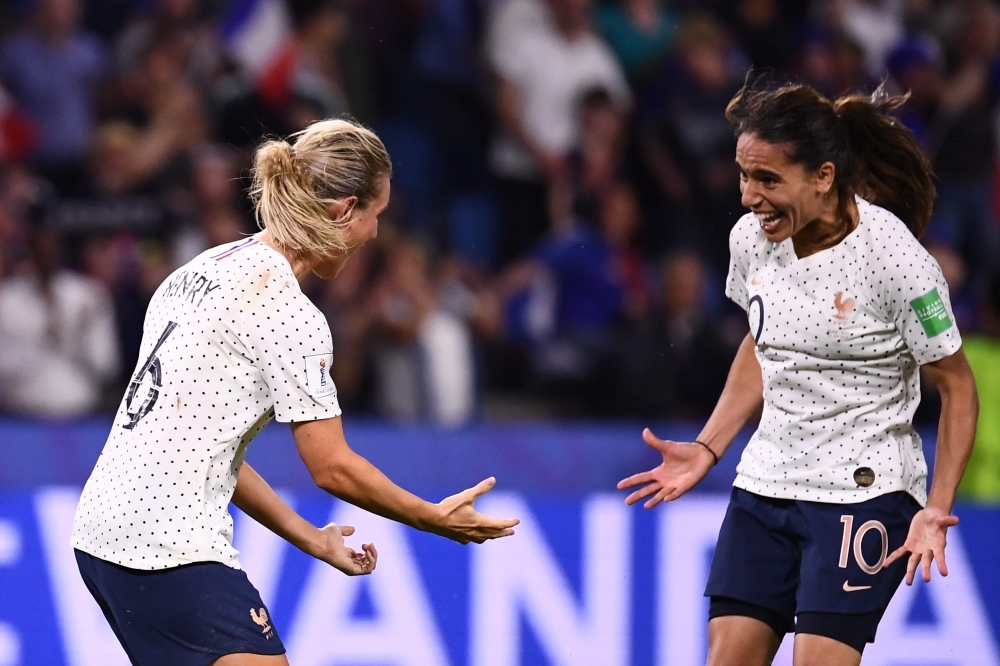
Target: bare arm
(956, 433)
(685, 464)
(343, 473)
(254, 497)
(956, 428)
(741, 398)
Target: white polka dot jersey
(840, 336)
(229, 342)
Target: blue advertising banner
(586, 580)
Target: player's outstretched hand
(925, 543)
(339, 555)
(461, 522)
(683, 466)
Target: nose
(750, 196)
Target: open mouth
(769, 221)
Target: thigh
(185, 616)
(813, 650)
(757, 558)
(735, 639)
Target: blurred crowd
(556, 242)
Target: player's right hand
(459, 520)
(339, 555)
(684, 465)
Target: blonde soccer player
(229, 343)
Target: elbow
(332, 475)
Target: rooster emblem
(261, 620)
(844, 307)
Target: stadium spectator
(211, 212)
(833, 64)
(57, 337)
(686, 143)
(189, 23)
(766, 31)
(423, 359)
(674, 361)
(877, 25)
(598, 161)
(961, 140)
(568, 301)
(543, 70)
(639, 32)
(454, 79)
(52, 70)
(981, 482)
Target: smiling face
(785, 196)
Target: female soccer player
(844, 306)
(230, 342)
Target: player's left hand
(339, 555)
(925, 543)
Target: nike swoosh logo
(855, 588)
(756, 281)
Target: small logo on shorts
(864, 476)
(855, 588)
(262, 621)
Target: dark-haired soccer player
(845, 306)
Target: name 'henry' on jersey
(229, 342)
(840, 336)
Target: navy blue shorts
(185, 616)
(794, 557)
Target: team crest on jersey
(318, 375)
(844, 310)
(844, 306)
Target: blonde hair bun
(294, 185)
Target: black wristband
(715, 458)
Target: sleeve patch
(932, 313)
(318, 375)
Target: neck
(301, 266)
(827, 230)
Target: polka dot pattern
(839, 343)
(224, 350)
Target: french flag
(256, 32)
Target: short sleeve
(292, 348)
(741, 242)
(916, 298)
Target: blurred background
(564, 186)
(547, 280)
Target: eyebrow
(759, 172)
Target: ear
(341, 207)
(825, 176)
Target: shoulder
(886, 245)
